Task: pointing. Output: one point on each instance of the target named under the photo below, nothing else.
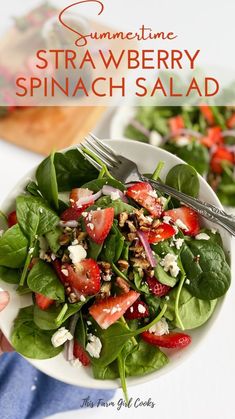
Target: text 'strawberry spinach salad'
(203, 136)
(116, 274)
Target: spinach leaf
(94, 249)
(52, 238)
(163, 277)
(72, 170)
(32, 188)
(97, 184)
(184, 178)
(81, 331)
(206, 267)
(105, 372)
(34, 216)
(74, 308)
(43, 280)
(140, 284)
(113, 245)
(46, 319)
(193, 312)
(153, 303)
(13, 248)
(144, 359)
(47, 182)
(113, 340)
(29, 340)
(11, 276)
(120, 206)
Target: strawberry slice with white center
(98, 224)
(186, 219)
(109, 310)
(78, 194)
(171, 341)
(144, 194)
(43, 302)
(163, 232)
(84, 278)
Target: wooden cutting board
(43, 129)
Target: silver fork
(127, 171)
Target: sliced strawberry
(43, 302)
(78, 193)
(98, 224)
(58, 266)
(207, 113)
(157, 288)
(71, 214)
(213, 137)
(219, 156)
(172, 340)
(108, 311)
(12, 219)
(231, 121)
(138, 310)
(143, 193)
(85, 277)
(80, 353)
(188, 217)
(176, 124)
(163, 232)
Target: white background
(203, 387)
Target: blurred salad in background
(203, 136)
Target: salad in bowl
(104, 277)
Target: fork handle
(208, 211)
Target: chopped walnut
(123, 217)
(122, 284)
(106, 271)
(73, 298)
(150, 272)
(131, 226)
(156, 223)
(64, 239)
(105, 290)
(140, 262)
(65, 258)
(81, 235)
(144, 228)
(131, 237)
(123, 265)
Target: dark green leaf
(184, 178)
(47, 182)
(43, 280)
(45, 319)
(13, 248)
(11, 276)
(53, 239)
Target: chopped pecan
(156, 223)
(123, 265)
(105, 290)
(123, 217)
(73, 298)
(106, 271)
(81, 235)
(65, 258)
(64, 239)
(140, 262)
(131, 237)
(131, 226)
(144, 228)
(122, 284)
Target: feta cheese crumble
(187, 281)
(65, 272)
(60, 337)
(202, 236)
(166, 219)
(94, 346)
(141, 308)
(77, 253)
(82, 298)
(178, 243)
(169, 263)
(160, 328)
(180, 224)
(182, 141)
(115, 195)
(91, 226)
(153, 194)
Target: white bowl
(146, 157)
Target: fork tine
(101, 153)
(93, 162)
(90, 147)
(105, 148)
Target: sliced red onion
(87, 199)
(108, 190)
(69, 345)
(147, 249)
(184, 131)
(228, 133)
(140, 127)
